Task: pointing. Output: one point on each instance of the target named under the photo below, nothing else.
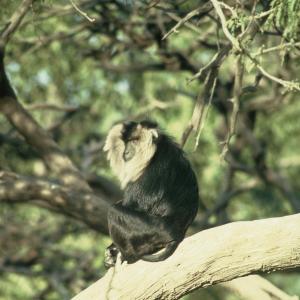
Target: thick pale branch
(209, 257)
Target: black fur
(128, 128)
(158, 207)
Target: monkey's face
(130, 147)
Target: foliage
(286, 17)
(116, 68)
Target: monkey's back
(167, 188)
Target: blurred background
(78, 67)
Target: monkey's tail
(162, 254)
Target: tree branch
(255, 287)
(84, 14)
(206, 258)
(205, 8)
(81, 205)
(23, 122)
(35, 135)
(233, 40)
(201, 107)
(14, 22)
(237, 91)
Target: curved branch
(23, 122)
(35, 135)
(206, 258)
(81, 205)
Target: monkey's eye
(134, 139)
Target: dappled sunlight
(221, 78)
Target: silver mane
(141, 145)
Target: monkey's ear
(154, 133)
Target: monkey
(160, 193)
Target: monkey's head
(130, 147)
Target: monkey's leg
(137, 234)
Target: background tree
(222, 77)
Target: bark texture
(206, 258)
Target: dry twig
(200, 10)
(237, 91)
(233, 40)
(14, 22)
(84, 14)
(203, 100)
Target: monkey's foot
(110, 256)
(119, 260)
